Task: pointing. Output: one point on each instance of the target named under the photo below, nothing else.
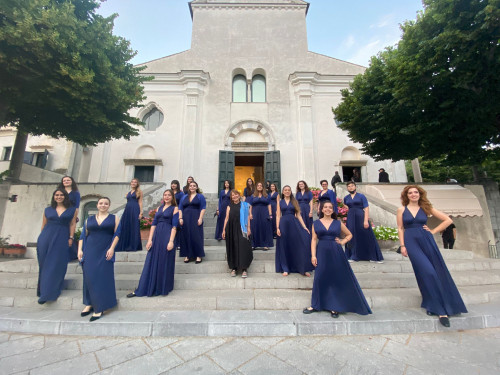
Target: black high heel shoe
(334, 314)
(198, 261)
(131, 295)
(94, 318)
(444, 321)
(85, 313)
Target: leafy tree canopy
(436, 94)
(64, 74)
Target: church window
(258, 89)
(239, 89)
(144, 173)
(153, 119)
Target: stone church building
(248, 99)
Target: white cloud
(386, 20)
(348, 42)
(365, 52)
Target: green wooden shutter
(272, 167)
(226, 168)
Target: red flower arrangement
(147, 221)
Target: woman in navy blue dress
(335, 288)
(248, 191)
(130, 239)
(56, 237)
(293, 246)
(364, 245)
(68, 183)
(191, 211)
(96, 253)
(274, 196)
(327, 195)
(179, 194)
(185, 189)
(260, 218)
(305, 198)
(440, 296)
(157, 278)
(224, 200)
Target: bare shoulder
(401, 209)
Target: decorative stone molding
(148, 107)
(192, 81)
(143, 162)
(249, 125)
(291, 5)
(314, 83)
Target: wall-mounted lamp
(13, 198)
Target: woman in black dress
(236, 232)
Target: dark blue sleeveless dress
(260, 225)
(335, 288)
(293, 247)
(192, 242)
(177, 241)
(130, 231)
(329, 196)
(224, 200)
(157, 278)
(274, 204)
(98, 273)
(305, 209)
(364, 245)
(52, 252)
(439, 293)
(74, 199)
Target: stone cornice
(309, 83)
(193, 81)
(249, 5)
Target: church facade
(248, 99)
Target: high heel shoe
(444, 321)
(335, 314)
(131, 295)
(187, 260)
(308, 310)
(93, 318)
(85, 313)
(198, 261)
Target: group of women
(245, 222)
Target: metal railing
(493, 249)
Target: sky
(350, 30)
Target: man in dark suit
(383, 176)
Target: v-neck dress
(260, 225)
(130, 228)
(305, 208)
(224, 199)
(439, 293)
(335, 288)
(52, 253)
(192, 242)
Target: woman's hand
(70, 242)
(339, 241)
(307, 230)
(314, 261)
(404, 252)
(278, 232)
(148, 245)
(223, 234)
(140, 216)
(249, 232)
(217, 212)
(310, 214)
(366, 225)
(427, 229)
(80, 255)
(181, 221)
(110, 253)
(170, 245)
(250, 217)
(200, 221)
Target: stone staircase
(207, 301)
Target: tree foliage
(436, 94)
(64, 74)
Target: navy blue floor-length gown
(439, 293)
(260, 225)
(293, 247)
(305, 208)
(130, 235)
(177, 241)
(274, 204)
(335, 288)
(329, 196)
(98, 273)
(52, 252)
(157, 278)
(224, 200)
(192, 242)
(364, 245)
(74, 199)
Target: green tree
(436, 94)
(64, 74)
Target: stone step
(240, 323)
(368, 280)
(240, 299)
(264, 263)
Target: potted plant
(146, 223)
(16, 249)
(386, 236)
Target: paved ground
(467, 352)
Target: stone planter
(13, 251)
(387, 245)
(145, 234)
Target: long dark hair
(250, 190)
(178, 185)
(66, 202)
(230, 185)
(306, 188)
(173, 202)
(322, 215)
(74, 187)
(292, 199)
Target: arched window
(239, 89)
(90, 208)
(152, 119)
(258, 89)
